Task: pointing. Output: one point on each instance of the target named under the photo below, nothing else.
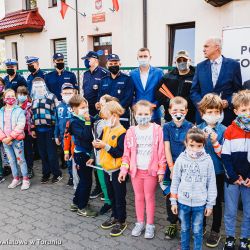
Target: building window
(14, 51)
(181, 37)
(60, 46)
(31, 4)
(52, 3)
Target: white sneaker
(14, 183)
(25, 185)
(137, 230)
(149, 232)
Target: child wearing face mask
(63, 114)
(112, 146)
(43, 118)
(236, 158)
(211, 108)
(98, 128)
(193, 188)
(145, 160)
(174, 135)
(2, 85)
(12, 134)
(24, 102)
(80, 128)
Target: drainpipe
(145, 24)
(77, 42)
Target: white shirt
(144, 78)
(215, 68)
(144, 139)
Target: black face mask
(114, 69)
(60, 66)
(31, 68)
(11, 72)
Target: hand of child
(224, 104)
(160, 177)
(99, 144)
(122, 177)
(33, 134)
(174, 209)
(57, 141)
(98, 106)
(208, 212)
(206, 135)
(90, 162)
(247, 182)
(7, 141)
(213, 137)
(66, 157)
(86, 116)
(238, 182)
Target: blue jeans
(191, 216)
(47, 151)
(232, 194)
(15, 153)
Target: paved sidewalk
(39, 218)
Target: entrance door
(103, 44)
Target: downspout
(77, 43)
(145, 24)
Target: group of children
(198, 166)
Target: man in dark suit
(219, 75)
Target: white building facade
(164, 26)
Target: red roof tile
(20, 22)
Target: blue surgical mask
(22, 98)
(87, 63)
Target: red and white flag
(64, 8)
(115, 5)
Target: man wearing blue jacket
(145, 79)
(119, 85)
(217, 74)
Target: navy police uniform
(17, 81)
(32, 76)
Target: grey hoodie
(194, 181)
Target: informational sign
(236, 45)
(99, 17)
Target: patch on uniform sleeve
(87, 123)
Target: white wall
(126, 28)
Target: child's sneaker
(70, 182)
(138, 229)
(25, 185)
(45, 179)
(118, 229)
(95, 193)
(149, 232)
(2, 179)
(229, 243)
(73, 207)
(86, 212)
(15, 183)
(109, 223)
(244, 244)
(105, 208)
(171, 231)
(102, 197)
(213, 239)
(56, 179)
(30, 173)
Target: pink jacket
(157, 163)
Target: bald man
(217, 74)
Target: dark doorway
(103, 45)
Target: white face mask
(143, 119)
(195, 154)
(143, 62)
(211, 119)
(66, 98)
(82, 112)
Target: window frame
(172, 31)
(53, 3)
(28, 5)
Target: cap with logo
(182, 53)
(113, 57)
(67, 85)
(58, 56)
(31, 59)
(10, 62)
(91, 54)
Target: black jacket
(179, 85)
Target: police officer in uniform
(119, 85)
(55, 79)
(91, 80)
(34, 69)
(13, 80)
